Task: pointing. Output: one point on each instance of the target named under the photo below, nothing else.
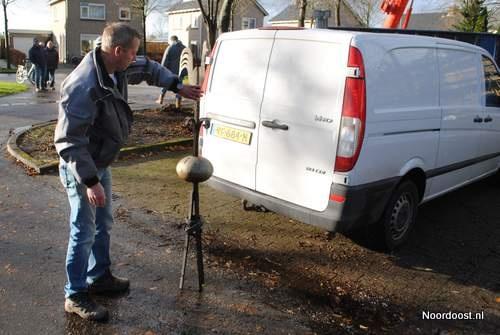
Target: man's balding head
(118, 34)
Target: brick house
(186, 22)
(76, 24)
(289, 16)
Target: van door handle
(478, 119)
(488, 119)
(275, 125)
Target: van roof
(349, 35)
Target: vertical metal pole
(193, 222)
(197, 235)
(188, 237)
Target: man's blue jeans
(89, 240)
(39, 76)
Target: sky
(35, 14)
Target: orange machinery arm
(394, 10)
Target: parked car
(343, 129)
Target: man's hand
(190, 92)
(96, 196)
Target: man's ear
(117, 51)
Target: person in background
(52, 63)
(44, 65)
(37, 57)
(171, 59)
(93, 124)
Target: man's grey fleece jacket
(94, 116)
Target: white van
(340, 129)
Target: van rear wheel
(400, 215)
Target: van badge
(318, 171)
(320, 118)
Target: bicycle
(24, 72)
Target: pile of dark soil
(150, 126)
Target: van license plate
(232, 134)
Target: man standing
(94, 122)
(37, 57)
(52, 63)
(171, 59)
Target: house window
(92, 11)
(248, 23)
(87, 43)
(124, 13)
(194, 21)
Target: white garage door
(23, 44)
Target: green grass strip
(7, 88)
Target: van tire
(400, 215)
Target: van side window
(410, 79)
(492, 82)
(459, 78)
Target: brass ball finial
(194, 169)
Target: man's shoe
(83, 306)
(107, 283)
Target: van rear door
(300, 117)
(233, 103)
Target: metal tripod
(193, 231)
(194, 222)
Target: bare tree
(494, 10)
(368, 11)
(302, 12)
(338, 4)
(145, 8)
(218, 15)
(234, 8)
(225, 15)
(210, 12)
(159, 26)
(310, 5)
(6, 3)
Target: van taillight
(208, 66)
(352, 126)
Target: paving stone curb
(43, 168)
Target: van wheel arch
(417, 176)
(399, 216)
